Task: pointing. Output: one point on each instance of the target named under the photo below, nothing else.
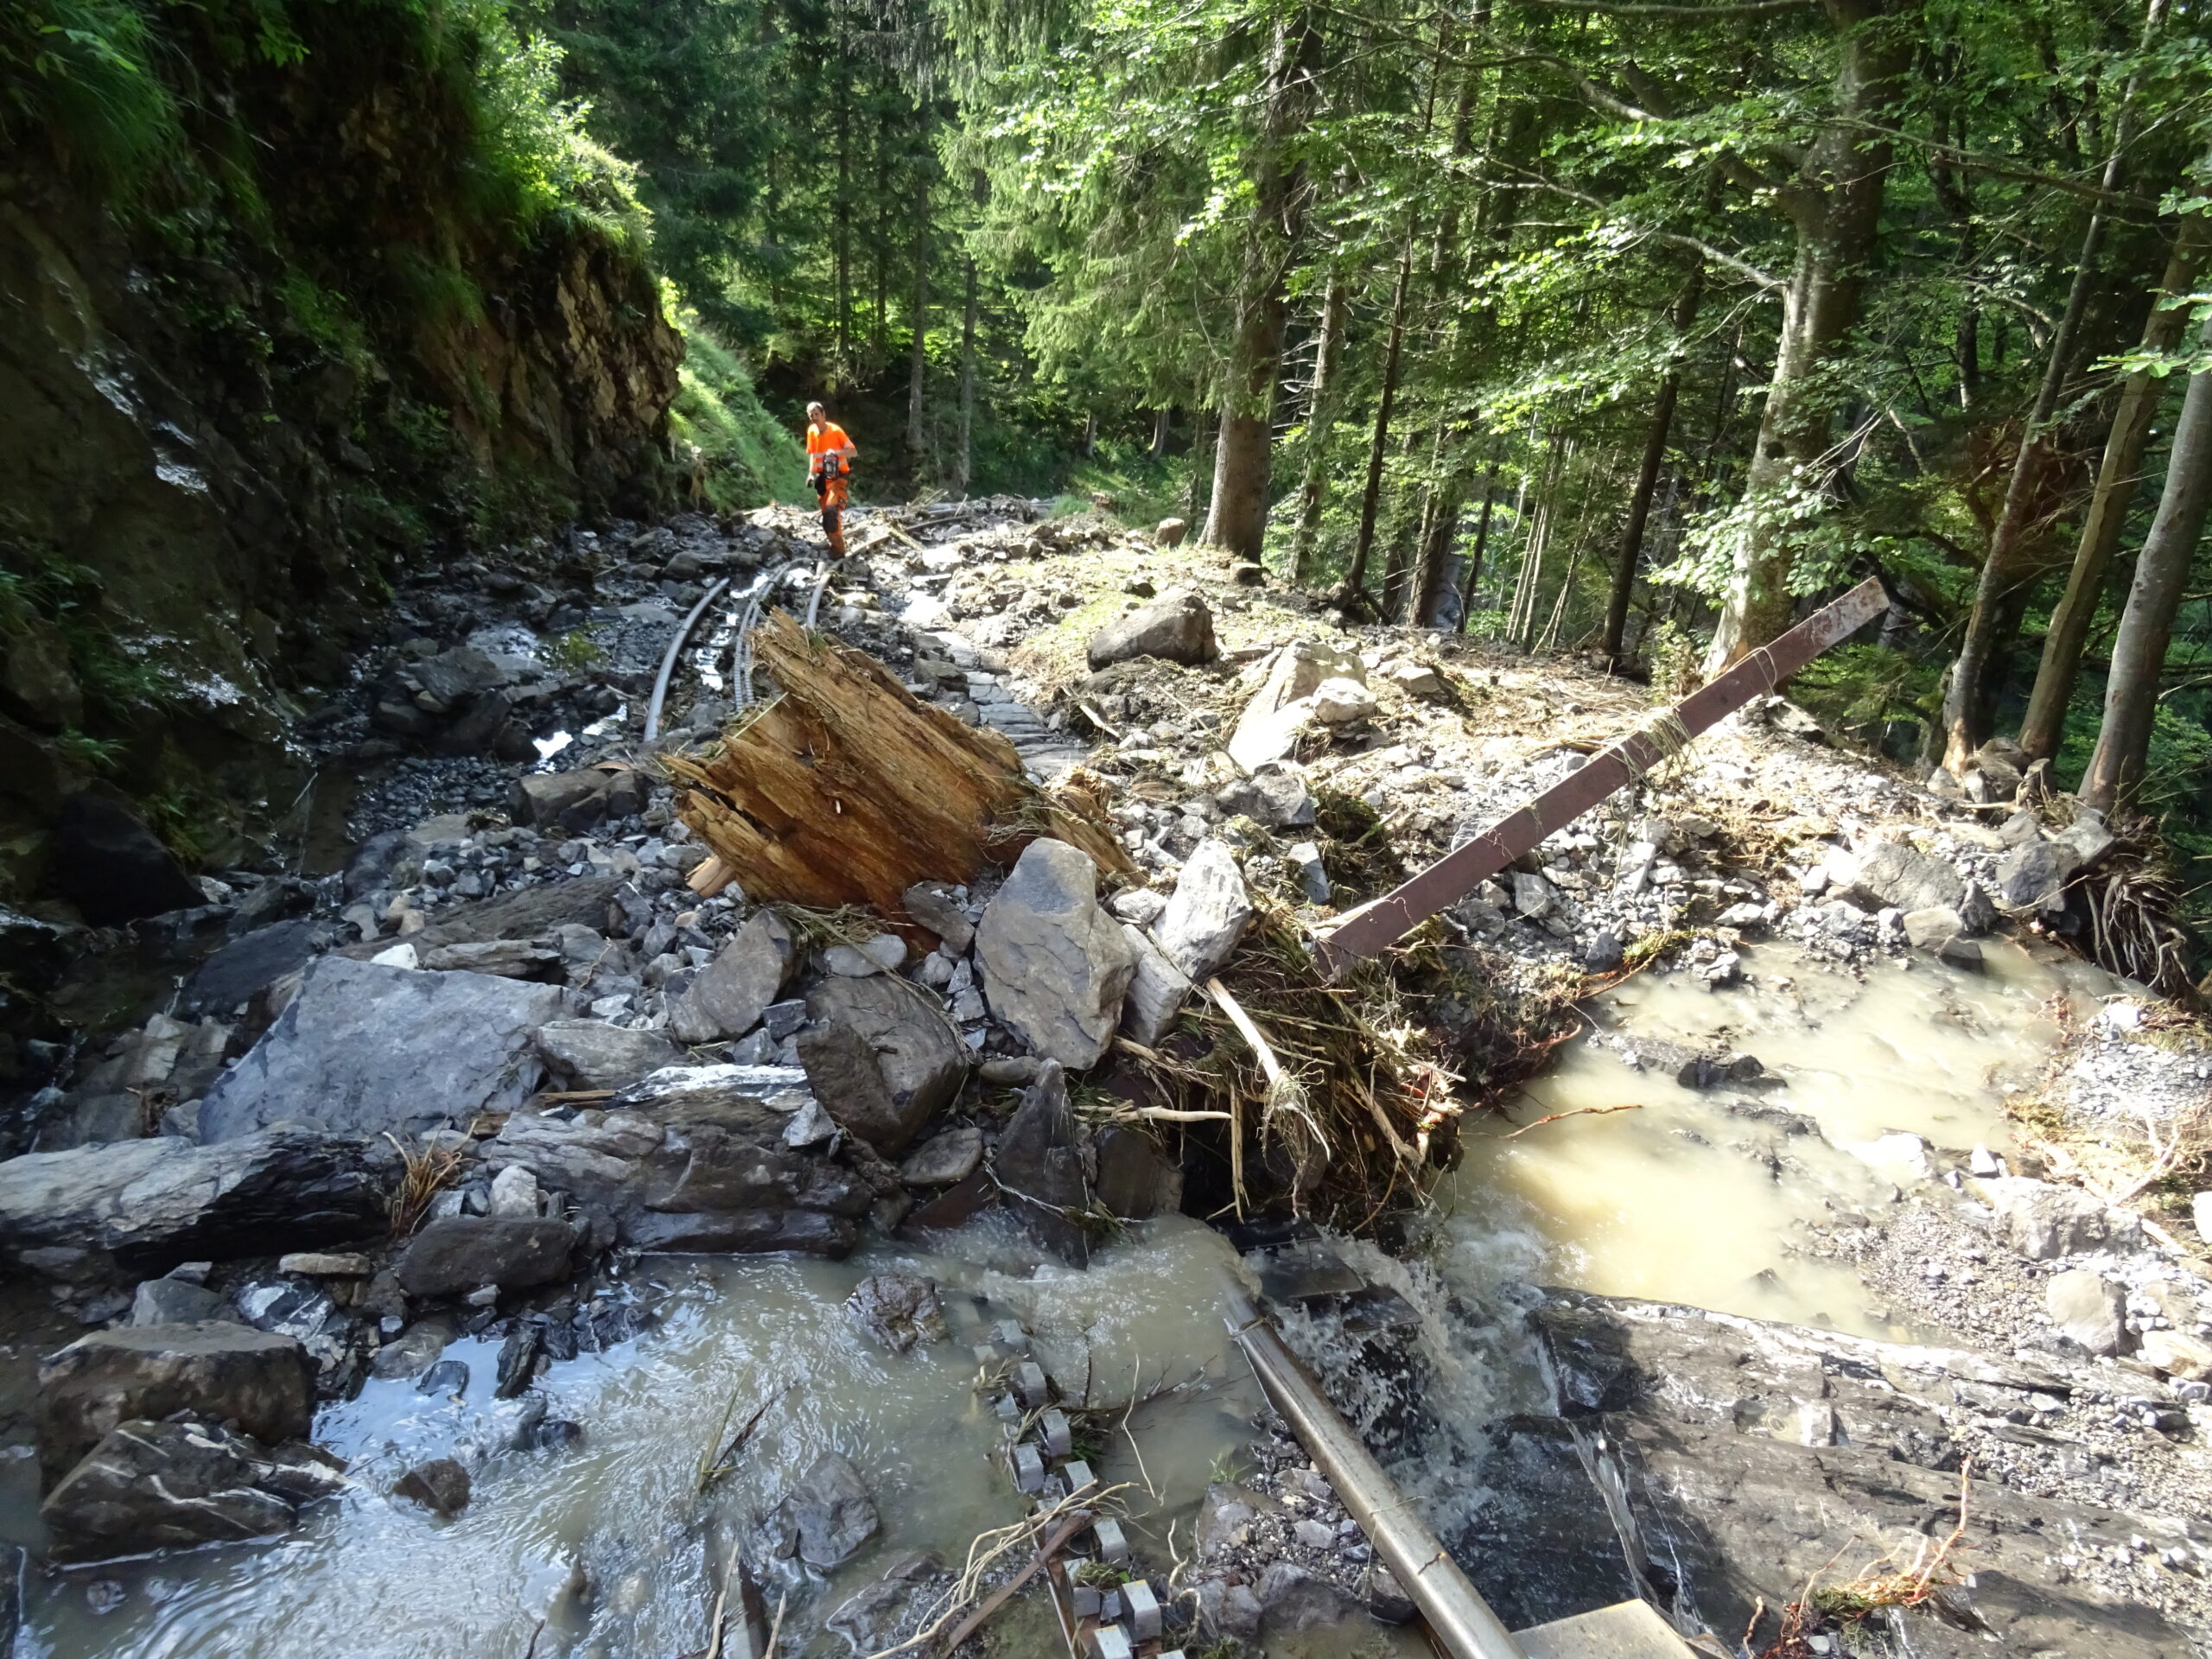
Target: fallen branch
(1579, 1111)
(986, 1549)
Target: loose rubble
(529, 1030)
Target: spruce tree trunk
(2139, 654)
(1162, 419)
(963, 463)
(1237, 519)
(1320, 422)
(917, 367)
(1202, 434)
(1836, 205)
(1370, 494)
(2118, 472)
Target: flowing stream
(1695, 1196)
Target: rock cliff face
(230, 418)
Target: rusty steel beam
(1375, 926)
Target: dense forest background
(1588, 324)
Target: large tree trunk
(1997, 597)
(2146, 626)
(2044, 728)
(1378, 446)
(1160, 417)
(1835, 203)
(1320, 422)
(1237, 519)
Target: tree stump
(846, 789)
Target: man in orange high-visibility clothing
(829, 463)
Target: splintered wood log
(845, 788)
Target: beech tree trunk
(1320, 422)
(1997, 592)
(2118, 475)
(1472, 574)
(1834, 204)
(1647, 477)
(1370, 494)
(2146, 626)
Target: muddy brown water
(1695, 1196)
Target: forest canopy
(1625, 326)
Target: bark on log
(846, 789)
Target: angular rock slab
(165, 1485)
(1156, 994)
(456, 1255)
(734, 989)
(153, 1204)
(1055, 966)
(1039, 1166)
(214, 1370)
(881, 1058)
(1207, 913)
(365, 1049)
(600, 1056)
(1269, 727)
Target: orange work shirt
(828, 439)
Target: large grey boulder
(2034, 876)
(829, 1514)
(250, 963)
(1207, 913)
(1055, 965)
(944, 1159)
(594, 1055)
(152, 1204)
(1275, 796)
(1745, 1450)
(367, 1049)
(453, 1257)
(2088, 1307)
(163, 1486)
(747, 974)
(1039, 1165)
(2044, 1221)
(881, 1057)
(111, 867)
(575, 801)
(213, 1370)
(1292, 1599)
(1903, 877)
(1177, 627)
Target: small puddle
(1700, 1195)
